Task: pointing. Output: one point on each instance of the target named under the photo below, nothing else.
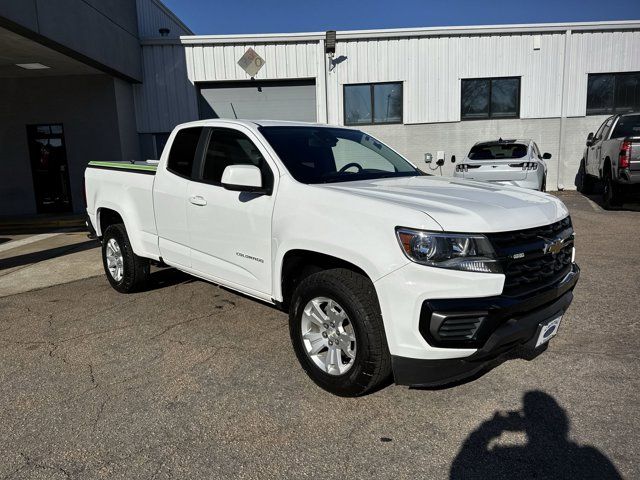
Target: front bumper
(510, 325)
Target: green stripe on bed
(124, 166)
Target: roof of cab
(252, 123)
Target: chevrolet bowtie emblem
(553, 246)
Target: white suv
(508, 162)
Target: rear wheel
(125, 271)
(611, 194)
(337, 332)
(585, 181)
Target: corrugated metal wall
(153, 15)
(431, 69)
(167, 96)
(208, 63)
(598, 52)
(168, 93)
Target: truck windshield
(627, 126)
(328, 155)
(497, 151)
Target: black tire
(543, 187)
(136, 270)
(356, 294)
(611, 194)
(585, 181)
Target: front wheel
(337, 332)
(125, 271)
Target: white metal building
(419, 90)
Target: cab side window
(607, 128)
(598, 136)
(183, 151)
(231, 147)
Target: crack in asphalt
(30, 463)
(178, 324)
(99, 415)
(91, 376)
(209, 357)
(52, 349)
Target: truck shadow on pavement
(547, 453)
(41, 255)
(631, 204)
(168, 277)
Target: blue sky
(244, 16)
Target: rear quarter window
(183, 151)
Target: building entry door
(49, 168)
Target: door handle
(198, 200)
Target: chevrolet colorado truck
(612, 157)
(386, 272)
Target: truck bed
(127, 189)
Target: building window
(613, 93)
(373, 103)
(484, 98)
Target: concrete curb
(28, 224)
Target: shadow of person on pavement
(548, 452)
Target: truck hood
(460, 205)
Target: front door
(49, 168)
(230, 232)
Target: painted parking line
(26, 241)
(594, 205)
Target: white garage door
(282, 100)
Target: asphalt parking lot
(189, 380)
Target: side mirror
(546, 155)
(242, 178)
(590, 139)
(453, 159)
(428, 158)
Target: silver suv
(509, 162)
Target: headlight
(457, 251)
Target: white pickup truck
(386, 272)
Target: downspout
(327, 64)
(563, 112)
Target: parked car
(508, 162)
(612, 157)
(368, 254)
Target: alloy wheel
(115, 259)
(328, 336)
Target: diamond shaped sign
(251, 62)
